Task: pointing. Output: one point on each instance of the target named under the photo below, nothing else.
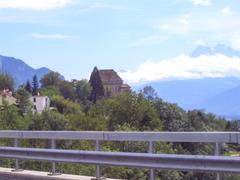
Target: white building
(40, 103)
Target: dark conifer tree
(28, 87)
(97, 86)
(35, 86)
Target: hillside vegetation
(75, 110)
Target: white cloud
(201, 2)
(200, 42)
(33, 4)
(236, 41)
(184, 67)
(227, 11)
(49, 36)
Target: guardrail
(182, 162)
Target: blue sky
(73, 36)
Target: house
(6, 98)
(40, 103)
(112, 82)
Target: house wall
(1, 100)
(40, 103)
(111, 90)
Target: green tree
(35, 86)
(23, 100)
(149, 93)
(28, 87)
(48, 120)
(173, 117)
(65, 106)
(97, 86)
(66, 89)
(6, 82)
(82, 90)
(10, 119)
(50, 91)
(127, 109)
(51, 79)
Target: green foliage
(66, 89)
(6, 82)
(97, 86)
(48, 120)
(50, 91)
(23, 101)
(28, 87)
(173, 117)
(65, 106)
(83, 91)
(149, 93)
(10, 119)
(35, 86)
(130, 111)
(51, 79)
(127, 108)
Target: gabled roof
(109, 76)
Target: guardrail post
(217, 153)
(151, 150)
(16, 144)
(53, 170)
(98, 173)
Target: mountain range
(220, 96)
(19, 70)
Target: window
(35, 107)
(34, 99)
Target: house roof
(109, 76)
(125, 86)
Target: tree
(127, 109)
(35, 86)
(51, 79)
(173, 117)
(6, 82)
(10, 119)
(28, 87)
(23, 101)
(66, 89)
(82, 90)
(48, 120)
(50, 91)
(149, 93)
(97, 86)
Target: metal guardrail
(139, 160)
(203, 137)
(206, 137)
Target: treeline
(74, 109)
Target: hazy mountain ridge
(19, 70)
(218, 49)
(216, 95)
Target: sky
(146, 40)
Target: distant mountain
(191, 94)
(226, 103)
(217, 95)
(19, 70)
(218, 49)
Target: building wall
(40, 103)
(7, 99)
(1, 100)
(111, 90)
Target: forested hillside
(74, 109)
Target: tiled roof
(109, 76)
